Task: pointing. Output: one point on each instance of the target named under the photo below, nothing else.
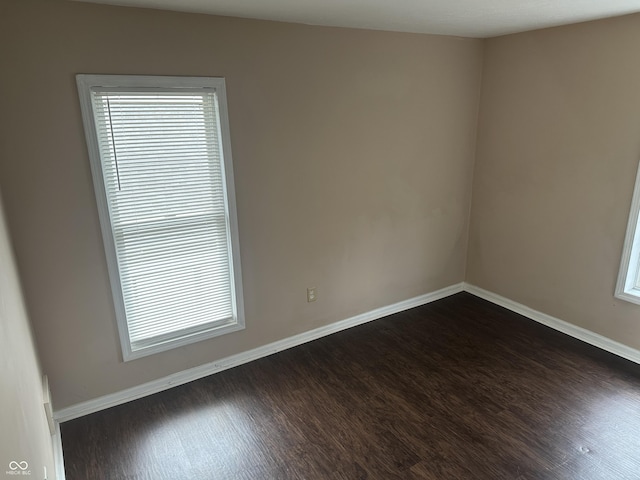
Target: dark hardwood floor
(457, 389)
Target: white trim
(58, 457)
(574, 331)
(170, 381)
(48, 408)
(626, 288)
(164, 383)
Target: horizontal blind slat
(202, 319)
(180, 306)
(156, 312)
(218, 272)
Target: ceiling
(466, 18)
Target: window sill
(182, 340)
(631, 295)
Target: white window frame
(626, 287)
(165, 83)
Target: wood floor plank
(456, 389)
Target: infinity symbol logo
(13, 465)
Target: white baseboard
(580, 333)
(164, 383)
(189, 375)
(58, 458)
(124, 396)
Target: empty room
(341, 239)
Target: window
(161, 163)
(628, 287)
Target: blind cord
(113, 140)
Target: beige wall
(353, 155)
(24, 433)
(558, 149)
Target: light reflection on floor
(220, 432)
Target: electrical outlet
(311, 294)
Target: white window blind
(163, 173)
